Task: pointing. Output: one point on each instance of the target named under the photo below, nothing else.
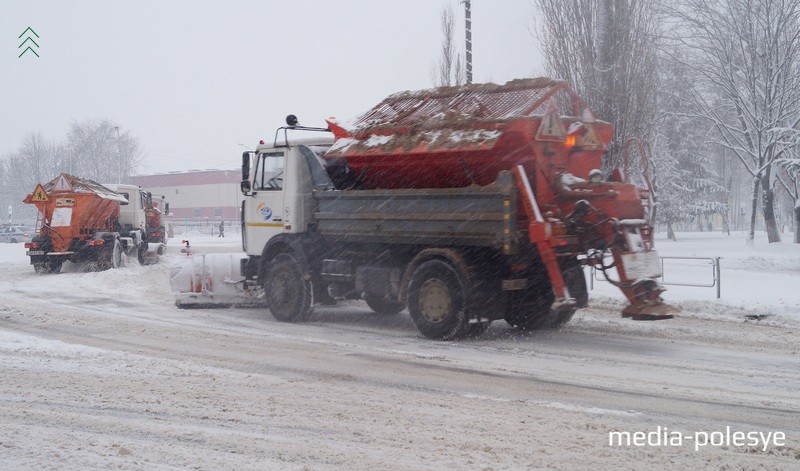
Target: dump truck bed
(469, 216)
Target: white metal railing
(716, 274)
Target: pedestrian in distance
(221, 229)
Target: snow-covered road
(100, 370)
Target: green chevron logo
(32, 44)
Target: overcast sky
(194, 79)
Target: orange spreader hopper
(457, 136)
(73, 208)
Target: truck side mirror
(245, 185)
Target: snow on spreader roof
(469, 117)
(441, 139)
(83, 185)
(477, 102)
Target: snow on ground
(100, 370)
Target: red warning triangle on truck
(551, 129)
(589, 140)
(62, 184)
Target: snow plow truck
(464, 205)
(82, 221)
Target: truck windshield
(269, 171)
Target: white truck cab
(133, 213)
(278, 188)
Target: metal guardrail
(716, 274)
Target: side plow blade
(646, 303)
(637, 280)
(650, 312)
(209, 280)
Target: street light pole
(468, 36)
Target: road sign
(589, 139)
(62, 184)
(551, 129)
(39, 194)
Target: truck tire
(45, 268)
(383, 306)
(437, 301)
(111, 255)
(141, 252)
(116, 254)
(287, 289)
(532, 311)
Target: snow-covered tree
(744, 54)
(687, 186)
(790, 180)
(606, 50)
(100, 151)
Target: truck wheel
(44, 268)
(141, 252)
(288, 290)
(383, 306)
(116, 254)
(111, 256)
(437, 301)
(533, 312)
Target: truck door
(264, 216)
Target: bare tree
(606, 49)
(448, 70)
(747, 82)
(100, 151)
(790, 180)
(6, 193)
(97, 150)
(36, 161)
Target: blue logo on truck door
(266, 213)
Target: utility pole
(119, 157)
(468, 35)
